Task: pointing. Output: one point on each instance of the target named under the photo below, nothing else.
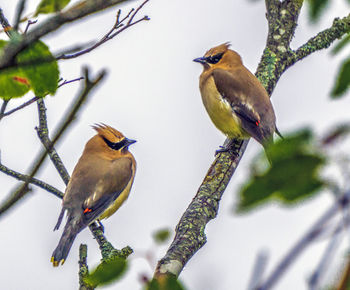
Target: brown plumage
(100, 183)
(235, 100)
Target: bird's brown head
(220, 55)
(110, 137)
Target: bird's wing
(109, 186)
(236, 91)
(98, 185)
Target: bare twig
(35, 181)
(316, 229)
(118, 27)
(65, 82)
(20, 8)
(43, 134)
(22, 190)
(3, 108)
(29, 23)
(54, 22)
(319, 273)
(32, 100)
(25, 104)
(258, 270)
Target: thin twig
(20, 8)
(316, 229)
(3, 108)
(22, 190)
(65, 82)
(118, 27)
(25, 104)
(29, 23)
(43, 134)
(32, 100)
(35, 181)
(258, 270)
(136, 11)
(319, 273)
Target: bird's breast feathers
(220, 110)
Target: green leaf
(37, 70)
(292, 177)
(342, 82)
(50, 6)
(341, 44)
(167, 283)
(43, 75)
(10, 86)
(316, 7)
(107, 272)
(161, 236)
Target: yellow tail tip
(57, 263)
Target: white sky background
(151, 94)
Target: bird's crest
(108, 132)
(220, 49)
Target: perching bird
(235, 100)
(100, 183)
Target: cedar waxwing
(100, 183)
(235, 100)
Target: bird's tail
(60, 254)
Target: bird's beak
(202, 60)
(129, 142)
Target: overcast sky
(151, 94)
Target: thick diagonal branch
(190, 237)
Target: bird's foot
(222, 149)
(230, 147)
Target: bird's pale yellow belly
(118, 202)
(220, 111)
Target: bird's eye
(117, 145)
(214, 59)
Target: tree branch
(43, 134)
(26, 178)
(322, 40)
(83, 267)
(76, 12)
(190, 236)
(3, 108)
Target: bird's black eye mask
(215, 58)
(117, 145)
